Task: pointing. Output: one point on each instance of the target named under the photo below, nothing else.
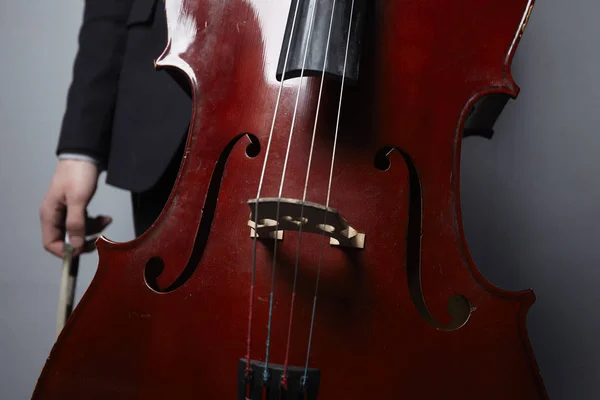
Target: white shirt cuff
(80, 157)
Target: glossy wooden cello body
(365, 289)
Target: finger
(52, 214)
(75, 224)
(96, 225)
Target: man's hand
(64, 206)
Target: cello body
(380, 299)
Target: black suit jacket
(121, 110)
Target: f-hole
(458, 306)
(155, 266)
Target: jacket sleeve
(87, 122)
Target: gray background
(531, 197)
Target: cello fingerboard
(312, 25)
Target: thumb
(75, 224)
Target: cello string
(283, 173)
(260, 184)
(314, 133)
(312, 322)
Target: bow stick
(70, 269)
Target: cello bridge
(296, 215)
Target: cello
(312, 246)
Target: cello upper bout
(182, 34)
